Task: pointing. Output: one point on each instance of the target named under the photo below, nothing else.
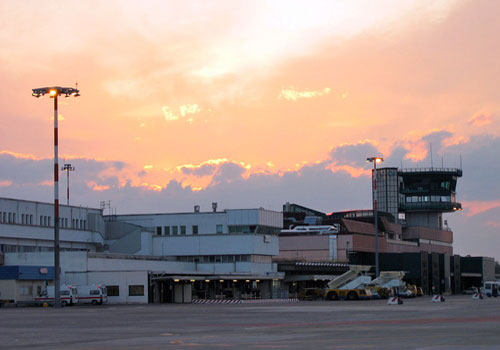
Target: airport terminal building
(165, 257)
(245, 253)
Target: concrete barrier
(394, 301)
(438, 299)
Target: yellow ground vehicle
(350, 285)
(348, 294)
(417, 291)
(379, 291)
(311, 294)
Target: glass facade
(388, 190)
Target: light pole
(67, 168)
(375, 160)
(54, 92)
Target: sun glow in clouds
(169, 114)
(294, 95)
(184, 110)
(189, 109)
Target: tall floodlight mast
(375, 160)
(54, 92)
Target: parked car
(470, 291)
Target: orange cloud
(22, 155)
(153, 187)
(480, 119)
(472, 208)
(5, 183)
(455, 140)
(353, 171)
(95, 187)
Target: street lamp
(375, 160)
(54, 92)
(67, 168)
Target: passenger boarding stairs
(389, 279)
(350, 276)
(357, 283)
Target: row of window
(225, 258)
(133, 291)
(182, 230)
(7, 218)
(45, 220)
(9, 248)
(423, 199)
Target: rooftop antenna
(104, 204)
(460, 162)
(432, 163)
(442, 162)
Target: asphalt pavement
(459, 323)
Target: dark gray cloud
(25, 170)
(228, 172)
(313, 186)
(354, 155)
(481, 168)
(204, 170)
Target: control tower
(427, 193)
(418, 196)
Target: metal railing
(432, 205)
(437, 170)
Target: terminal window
(113, 291)
(219, 228)
(167, 230)
(183, 230)
(137, 290)
(195, 229)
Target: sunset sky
(253, 103)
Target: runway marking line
(371, 322)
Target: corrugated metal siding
(9, 272)
(26, 273)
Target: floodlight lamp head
(374, 159)
(55, 91)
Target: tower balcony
(431, 206)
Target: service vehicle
(349, 294)
(350, 286)
(92, 294)
(379, 292)
(417, 291)
(311, 294)
(491, 288)
(68, 295)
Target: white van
(68, 295)
(491, 288)
(92, 294)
